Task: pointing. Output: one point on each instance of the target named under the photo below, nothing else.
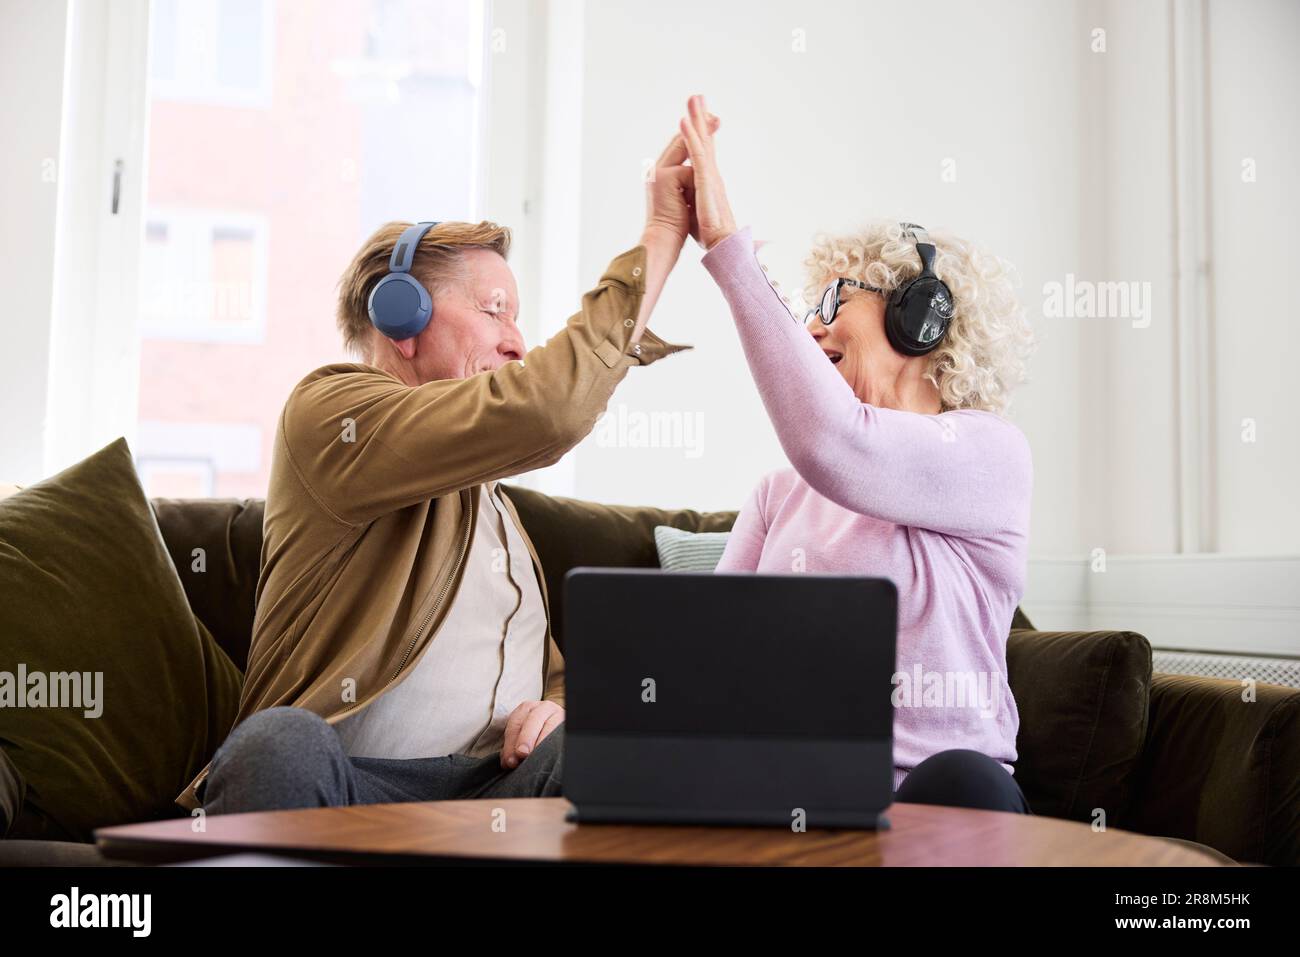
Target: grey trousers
(289, 757)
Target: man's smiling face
(473, 328)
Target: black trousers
(963, 778)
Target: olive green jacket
(371, 502)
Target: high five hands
(670, 191)
(711, 219)
(690, 200)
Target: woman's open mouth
(834, 356)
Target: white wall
(32, 37)
(1255, 85)
(1127, 444)
(1066, 164)
(855, 127)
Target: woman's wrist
(719, 236)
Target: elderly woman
(887, 403)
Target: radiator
(1276, 671)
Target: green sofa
(1102, 739)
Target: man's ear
(405, 347)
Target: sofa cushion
(1082, 699)
(89, 590)
(13, 791)
(216, 546)
(682, 551)
(569, 533)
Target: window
(254, 205)
(216, 51)
(204, 276)
(185, 459)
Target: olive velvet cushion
(1083, 699)
(86, 585)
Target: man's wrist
(663, 246)
(661, 239)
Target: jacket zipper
(546, 601)
(469, 521)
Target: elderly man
(401, 647)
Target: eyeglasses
(830, 304)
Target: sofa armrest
(1082, 702)
(1221, 770)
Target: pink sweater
(938, 503)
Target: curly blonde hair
(983, 356)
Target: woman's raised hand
(669, 219)
(670, 191)
(713, 219)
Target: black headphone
(919, 311)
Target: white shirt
(485, 659)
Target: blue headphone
(400, 307)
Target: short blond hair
(439, 264)
(983, 356)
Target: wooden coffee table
(535, 830)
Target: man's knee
(278, 757)
(278, 731)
